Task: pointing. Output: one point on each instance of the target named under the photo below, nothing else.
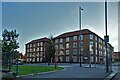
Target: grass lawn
(23, 70)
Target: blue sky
(34, 20)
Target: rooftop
(39, 40)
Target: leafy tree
(9, 46)
(50, 54)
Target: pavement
(71, 72)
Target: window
(40, 59)
(75, 51)
(96, 59)
(30, 59)
(33, 49)
(67, 59)
(38, 44)
(108, 49)
(91, 52)
(91, 46)
(38, 49)
(27, 59)
(74, 58)
(30, 54)
(85, 57)
(41, 43)
(61, 46)
(61, 58)
(92, 59)
(61, 40)
(56, 41)
(61, 52)
(91, 42)
(74, 44)
(30, 50)
(96, 44)
(96, 52)
(33, 60)
(100, 46)
(103, 43)
(34, 45)
(37, 59)
(41, 48)
(91, 36)
(27, 54)
(67, 52)
(74, 38)
(33, 54)
(99, 40)
(27, 50)
(81, 37)
(37, 54)
(96, 38)
(67, 45)
(81, 44)
(41, 53)
(28, 46)
(67, 39)
(99, 53)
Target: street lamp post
(80, 9)
(106, 37)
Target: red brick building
(91, 47)
(35, 50)
(72, 47)
(115, 56)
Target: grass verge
(23, 70)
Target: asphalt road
(72, 71)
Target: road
(72, 71)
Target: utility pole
(80, 9)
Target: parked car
(19, 62)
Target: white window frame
(91, 36)
(74, 51)
(74, 38)
(38, 44)
(67, 52)
(74, 58)
(67, 58)
(61, 40)
(37, 59)
(27, 45)
(67, 39)
(41, 48)
(74, 44)
(41, 43)
(67, 45)
(38, 49)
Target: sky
(34, 20)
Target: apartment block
(82, 45)
(35, 50)
(73, 47)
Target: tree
(50, 54)
(9, 46)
